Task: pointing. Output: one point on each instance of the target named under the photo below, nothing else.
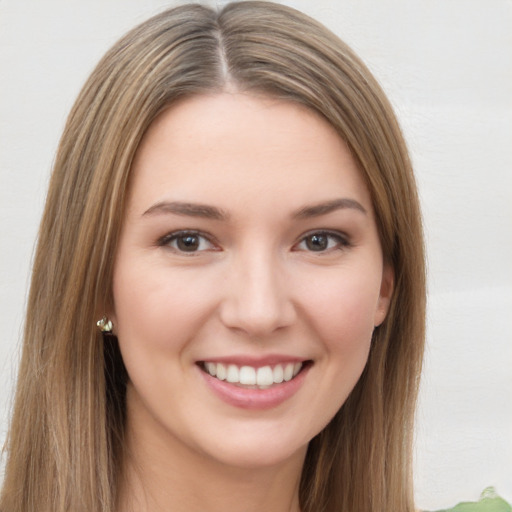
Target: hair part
(65, 444)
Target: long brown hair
(65, 443)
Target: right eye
(187, 242)
(322, 242)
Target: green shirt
(489, 502)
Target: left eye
(185, 241)
(321, 242)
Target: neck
(161, 474)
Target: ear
(109, 313)
(386, 292)
(113, 319)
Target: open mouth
(251, 377)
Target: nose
(257, 299)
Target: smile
(256, 378)
(249, 385)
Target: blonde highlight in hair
(65, 443)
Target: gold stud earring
(105, 325)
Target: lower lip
(256, 399)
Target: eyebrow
(326, 207)
(187, 209)
(211, 212)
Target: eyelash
(167, 241)
(340, 241)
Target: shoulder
(489, 502)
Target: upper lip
(255, 362)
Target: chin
(258, 453)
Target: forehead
(242, 149)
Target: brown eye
(317, 242)
(187, 242)
(322, 242)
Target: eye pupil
(188, 243)
(317, 242)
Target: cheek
(342, 307)
(154, 309)
(340, 312)
(158, 313)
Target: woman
(232, 203)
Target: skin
(255, 285)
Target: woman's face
(248, 280)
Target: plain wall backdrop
(447, 68)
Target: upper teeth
(248, 375)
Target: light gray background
(447, 67)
